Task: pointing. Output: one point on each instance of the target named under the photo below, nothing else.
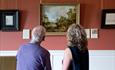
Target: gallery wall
(90, 17)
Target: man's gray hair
(38, 33)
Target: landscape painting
(57, 18)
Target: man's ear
(43, 38)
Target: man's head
(38, 34)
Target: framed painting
(56, 18)
(108, 19)
(10, 20)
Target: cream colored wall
(98, 59)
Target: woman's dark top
(80, 59)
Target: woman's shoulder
(68, 53)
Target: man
(32, 56)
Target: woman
(76, 56)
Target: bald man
(32, 56)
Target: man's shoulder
(23, 46)
(43, 52)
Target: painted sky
(54, 12)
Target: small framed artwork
(94, 33)
(108, 19)
(56, 18)
(10, 20)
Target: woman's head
(38, 33)
(76, 36)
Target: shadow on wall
(23, 17)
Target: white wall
(98, 59)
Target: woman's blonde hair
(76, 36)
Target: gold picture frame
(56, 18)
